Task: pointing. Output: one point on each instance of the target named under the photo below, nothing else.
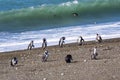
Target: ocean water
(24, 20)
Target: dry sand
(30, 66)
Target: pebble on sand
(62, 74)
(44, 78)
(85, 60)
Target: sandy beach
(30, 66)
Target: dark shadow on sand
(50, 60)
(74, 61)
(19, 65)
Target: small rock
(62, 74)
(44, 78)
(85, 60)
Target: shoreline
(19, 41)
(56, 47)
(73, 43)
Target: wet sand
(30, 66)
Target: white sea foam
(69, 3)
(75, 2)
(19, 41)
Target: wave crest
(57, 15)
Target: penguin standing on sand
(31, 45)
(94, 53)
(14, 61)
(61, 41)
(98, 38)
(80, 40)
(45, 56)
(44, 44)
